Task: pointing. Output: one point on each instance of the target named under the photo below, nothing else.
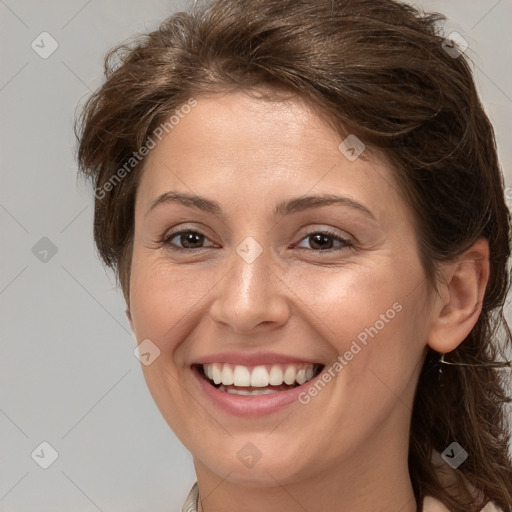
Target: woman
(304, 207)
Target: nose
(251, 295)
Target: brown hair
(377, 69)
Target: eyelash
(166, 240)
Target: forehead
(245, 149)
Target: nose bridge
(251, 273)
(251, 292)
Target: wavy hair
(377, 69)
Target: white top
(430, 504)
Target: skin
(347, 448)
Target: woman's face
(253, 290)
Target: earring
(440, 380)
(496, 364)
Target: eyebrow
(295, 205)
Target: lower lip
(255, 405)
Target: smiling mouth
(257, 380)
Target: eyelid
(319, 228)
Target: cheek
(166, 300)
(346, 302)
(372, 317)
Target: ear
(129, 316)
(461, 293)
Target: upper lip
(260, 358)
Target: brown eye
(323, 241)
(189, 239)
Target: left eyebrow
(297, 204)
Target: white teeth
(289, 375)
(259, 376)
(241, 376)
(301, 376)
(216, 373)
(246, 392)
(275, 376)
(227, 375)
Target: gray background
(68, 375)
